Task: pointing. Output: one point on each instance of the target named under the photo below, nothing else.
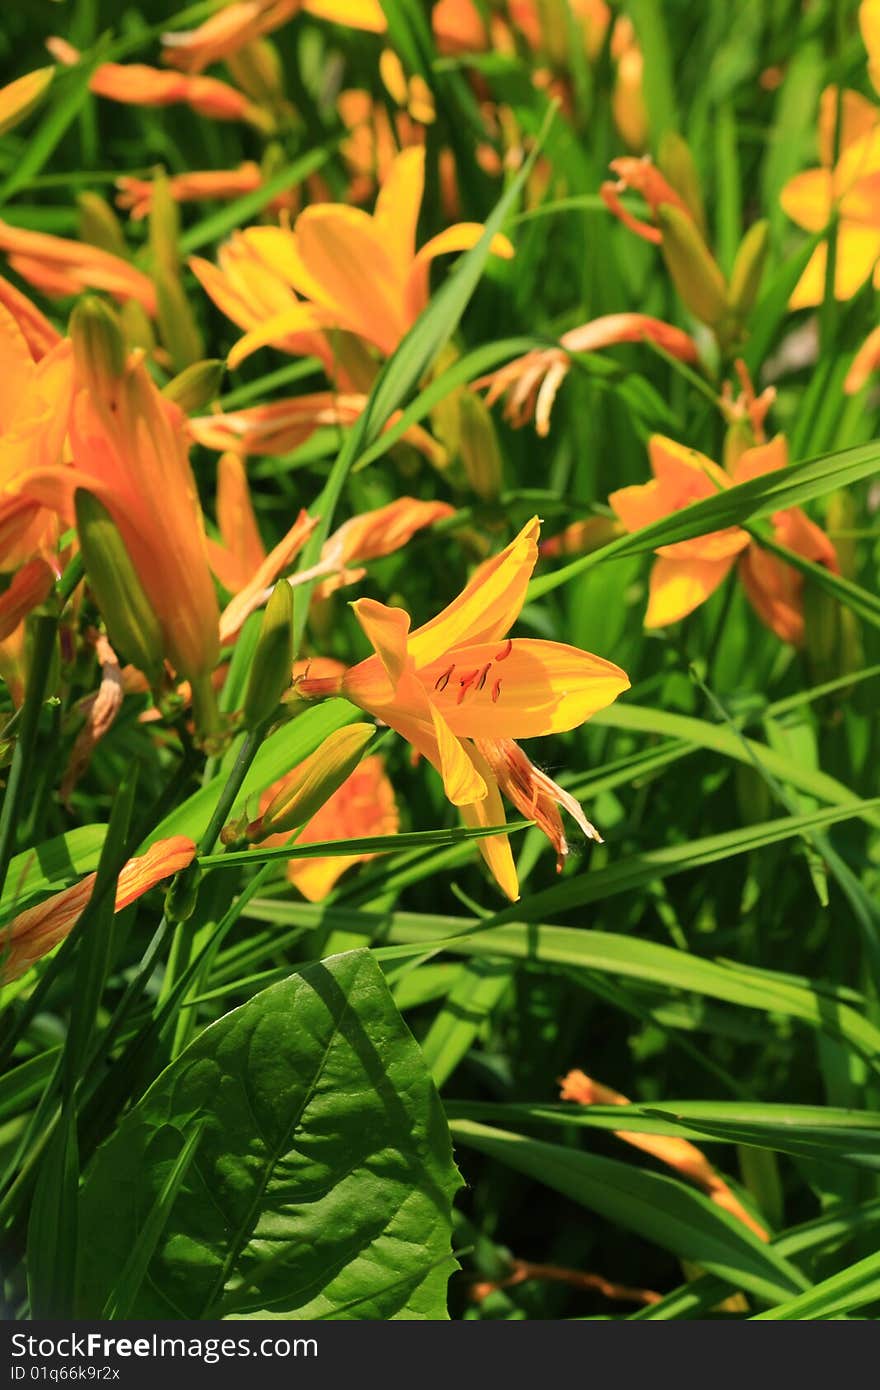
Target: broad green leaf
(655, 1207)
(323, 1176)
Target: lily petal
(387, 630)
(526, 688)
(487, 606)
(677, 587)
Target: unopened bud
(177, 323)
(99, 225)
(478, 445)
(273, 658)
(98, 344)
(313, 782)
(257, 70)
(182, 896)
(196, 386)
(677, 163)
(21, 97)
(748, 268)
(694, 272)
(131, 623)
(164, 224)
(137, 326)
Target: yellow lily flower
(687, 573)
(852, 186)
(355, 271)
(459, 681)
(36, 390)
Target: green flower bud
(689, 261)
(182, 896)
(273, 659)
(676, 163)
(313, 782)
(132, 625)
(177, 323)
(99, 225)
(196, 386)
(478, 445)
(748, 268)
(98, 344)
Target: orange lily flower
(374, 534)
(646, 179)
(679, 1154)
(459, 680)
(39, 334)
(532, 381)
(130, 450)
(686, 573)
(284, 425)
(137, 84)
(135, 196)
(375, 137)
(57, 266)
(38, 930)
(241, 562)
(458, 27)
(242, 22)
(628, 98)
(30, 586)
(242, 565)
(363, 806)
(35, 400)
(225, 33)
(19, 98)
(852, 186)
(358, 272)
(248, 290)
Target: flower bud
(182, 896)
(677, 164)
(98, 344)
(478, 445)
(177, 323)
(273, 658)
(313, 782)
(99, 225)
(164, 223)
(137, 327)
(196, 386)
(748, 268)
(19, 98)
(258, 71)
(131, 623)
(694, 272)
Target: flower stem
(45, 630)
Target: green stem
(182, 943)
(46, 627)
